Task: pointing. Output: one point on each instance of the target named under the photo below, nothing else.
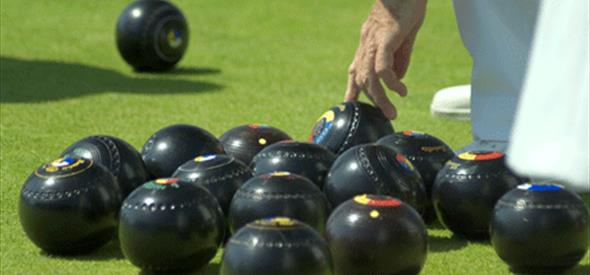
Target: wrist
(401, 10)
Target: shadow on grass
(444, 244)
(211, 269)
(192, 71)
(42, 80)
(579, 270)
(108, 252)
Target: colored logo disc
(63, 167)
(280, 174)
(256, 126)
(540, 187)
(162, 184)
(411, 133)
(404, 162)
(276, 222)
(381, 201)
(204, 158)
(166, 181)
(174, 38)
(322, 127)
(480, 155)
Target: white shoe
(452, 102)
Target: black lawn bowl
(279, 194)
(374, 169)
(350, 124)
(118, 156)
(220, 174)
(276, 246)
(174, 145)
(170, 225)
(70, 206)
(427, 153)
(312, 161)
(244, 142)
(466, 190)
(152, 35)
(373, 234)
(540, 229)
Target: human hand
(387, 39)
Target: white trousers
(537, 49)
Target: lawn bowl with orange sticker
(245, 141)
(170, 225)
(373, 234)
(69, 206)
(278, 245)
(466, 190)
(427, 153)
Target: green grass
(281, 63)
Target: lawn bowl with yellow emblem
(222, 175)
(349, 124)
(245, 141)
(152, 35)
(278, 245)
(170, 225)
(69, 206)
(373, 234)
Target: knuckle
(365, 26)
(380, 69)
(361, 79)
